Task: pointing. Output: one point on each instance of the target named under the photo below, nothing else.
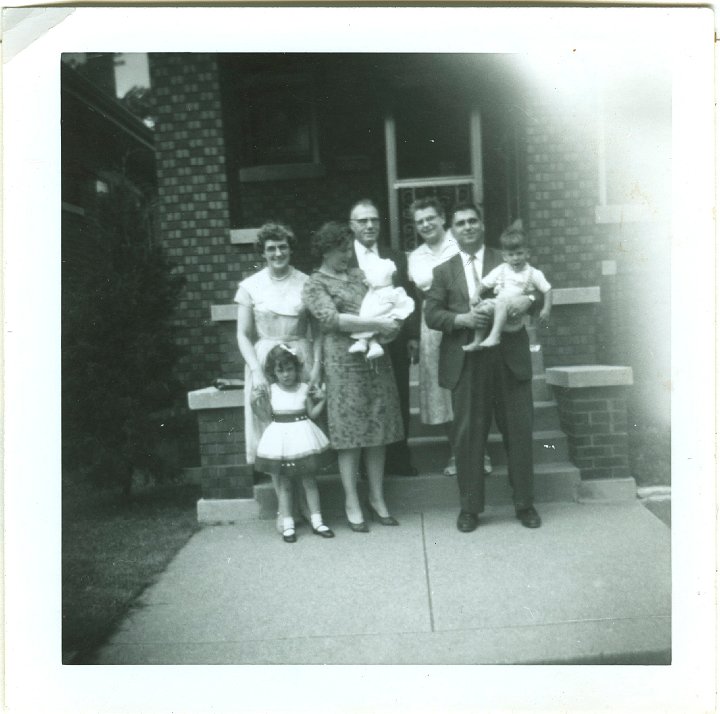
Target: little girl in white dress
(293, 446)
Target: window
(634, 147)
(279, 129)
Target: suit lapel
(456, 268)
(492, 259)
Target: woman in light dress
(271, 311)
(435, 402)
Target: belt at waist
(287, 418)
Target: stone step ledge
(589, 375)
(214, 398)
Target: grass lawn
(111, 550)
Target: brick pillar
(193, 202)
(592, 401)
(227, 480)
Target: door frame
(394, 184)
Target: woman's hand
(388, 327)
(315, 376)
(259, 383)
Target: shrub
(118, 350)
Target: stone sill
(243, 236)
(575, 296)
(224, 313)
(561, 296)
(624, 213)
(591, 375)
(213, 398)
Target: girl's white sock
(288, 524)
(316, 520)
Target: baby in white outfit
(381, 300)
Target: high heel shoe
(382, 520)
(361, 527)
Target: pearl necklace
(284, 277)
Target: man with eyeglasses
(495, 381)
(365, 223)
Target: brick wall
(595, 420)
(193, 201)
(561, 187)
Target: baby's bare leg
(499, 320)
(480, 333)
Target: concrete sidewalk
(593, 585)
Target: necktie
(472, 259)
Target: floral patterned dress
(362, 399)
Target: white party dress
(292, 444)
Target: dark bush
(118, 351)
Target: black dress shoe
(467, 522)
(323, 531)
(288, 535)
(529, 517)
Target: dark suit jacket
(411, 327)
(448, 297)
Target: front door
(454, 152)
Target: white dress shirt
(363, 253)
(423, 259)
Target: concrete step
(546, 418)
(431, 453)
(554, 482)
(540, 390)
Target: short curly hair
(420, 204)
(274, 230)
(331, 235)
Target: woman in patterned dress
(271, 311)
(363, 408)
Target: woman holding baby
(362, 399)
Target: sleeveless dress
(292, 444)
(279, 316)
(363, 407)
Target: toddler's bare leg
(499, 320)
(477, 342)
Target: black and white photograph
(466, 254)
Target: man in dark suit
(495, 380)
(365, 222)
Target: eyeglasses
(365, 221)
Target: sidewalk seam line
(427, 572)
